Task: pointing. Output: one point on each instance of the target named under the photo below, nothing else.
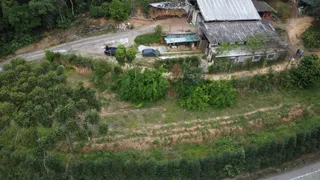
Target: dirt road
(95, 45)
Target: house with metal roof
(233, 22)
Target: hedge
(225, 165)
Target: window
(256, 58)
(235, 59)
(271, 56)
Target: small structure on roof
(174, 38)
(163, 10)
(178, 39)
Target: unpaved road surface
(91, 45)
(310, 172)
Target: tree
(22, 18)
(119, 10)
(37, 95)
(131, 54)
(100, 69)
(121, 54)
(307, 75)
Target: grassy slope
(234, 133)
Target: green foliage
(131, 54)
(221, 94)
(103, 129)
(256, 43)
(51, 56)
(69, 59)
(307, 75)
(121, 54)
(311, 38)
(197, 94)
(158, 30)
(38, 97)
(193, 61)
(140, 87)
(220, 65)
(100, 69)
(225, 47)
(100, 11)
(120, 10)
(150, 38)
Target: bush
(96, 12)
(131, 54)
(311, 38)
(140, 87)
(121, 54)
(100, 69)
(100, 11)
(120, 10)
(217, 94)
(307, 75)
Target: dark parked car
(150, 53)
(110, 51)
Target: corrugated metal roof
(228, 10)
(231, 32)
(262, 6)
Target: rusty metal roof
(228, 10)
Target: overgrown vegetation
(192, 61)
(196, 93)
(124, 55)
(311, 38)
(139, 87)
(150, 38)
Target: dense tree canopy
(36, 96)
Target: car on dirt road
(110, 51)
(150, 53)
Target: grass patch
(146, 39)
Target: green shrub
(103, 128)
(307, 75)
(121, 54)
(311, 38)
(96, 12)
(131, 54)
(140, 87)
